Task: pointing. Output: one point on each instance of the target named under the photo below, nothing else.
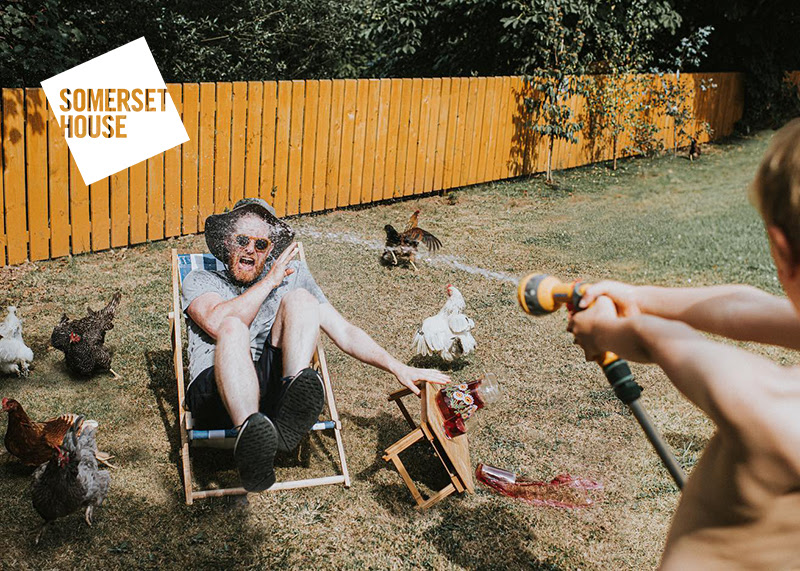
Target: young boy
(741, 505)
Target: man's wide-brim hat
(220, 226)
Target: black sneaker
(299, 408)
(255, 451)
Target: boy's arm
(738, 312)
(356, 343)
(746, 395)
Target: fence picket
(172, 175)
(14, 175)
(205, 190)
(295, 147)
(189, 158)
(321, 152)
(58, 175)
(36, 171)
(268, 126)
(309, 146)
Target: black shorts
(205, 402)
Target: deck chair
(182, 264)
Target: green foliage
(214, 40)
(555, 59)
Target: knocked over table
(452, 452)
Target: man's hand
(623, 295)
(588, 324)
(279, 271)
(408, 376)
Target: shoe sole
(301, 405)
(254, 451)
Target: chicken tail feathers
(111, 308)
(419, 345)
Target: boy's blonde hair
(776, 188)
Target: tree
(556, 65)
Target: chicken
(33, 442)
(15, 356)
(70, 479)
(448, 332)
(403, 245)
(82, 340)
(694, 150)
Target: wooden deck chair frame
(226, 438)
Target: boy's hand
(588, 326)
(623, 295)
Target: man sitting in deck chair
(253, 330)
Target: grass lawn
(662, 220)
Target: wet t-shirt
(202, 346)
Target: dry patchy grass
(663, 220)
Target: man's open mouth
(247, 262)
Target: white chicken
(15, 356)
(448, 332)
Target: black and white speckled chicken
(71, 479)
(402, 246)
(82, 340)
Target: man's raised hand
(279, 269)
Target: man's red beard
(246, 269)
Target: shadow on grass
(489, 536)
(423, 466)
(132, 531)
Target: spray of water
(439, 260)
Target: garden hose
(540, 294)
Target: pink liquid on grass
(563, 491)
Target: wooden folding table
(452, 452)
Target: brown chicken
(34, 442)
(402, 246)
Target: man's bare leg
(296, 330)
(234, 370)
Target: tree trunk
(614, 150)
(549, 177)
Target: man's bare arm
(355, 342)
(209, 310)
(738, 312)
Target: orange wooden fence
(304, 146)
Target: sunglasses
(261, 244)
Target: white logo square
(115, 111)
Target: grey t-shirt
(198, 282)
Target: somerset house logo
(114, 111)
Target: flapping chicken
(34, 442)
(15, 356)
(70, 480)
(448, 332)
(82, 340)
(402, 246)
